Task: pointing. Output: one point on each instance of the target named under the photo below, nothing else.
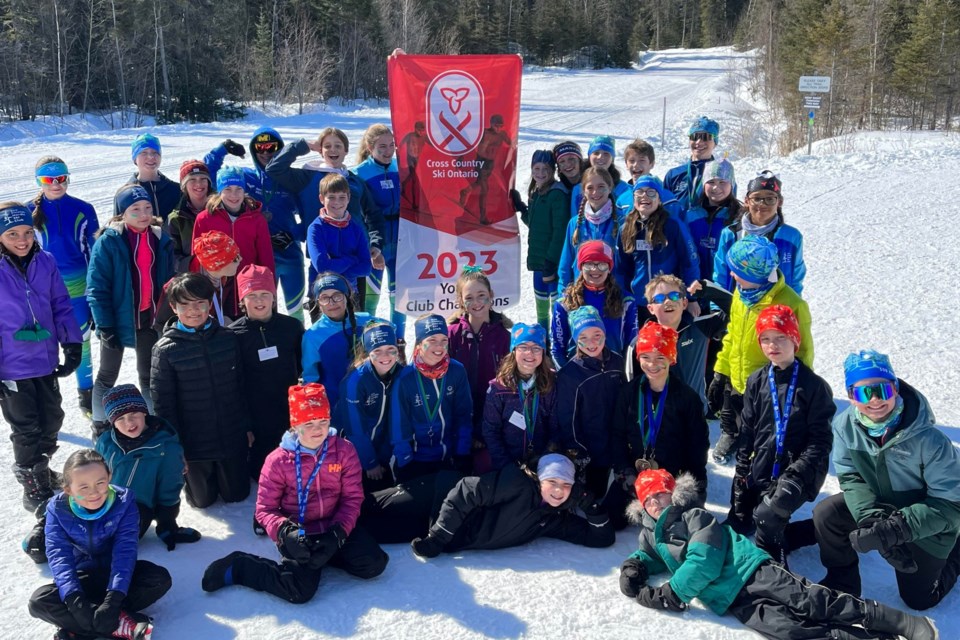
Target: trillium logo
(455, 106)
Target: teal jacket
(707, 560)
(916, 471)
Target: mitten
(106, 618)
(169, 532)
(81, 609)
(881, 535)
(661, 597)
(429, 547)
(324, 546)
(71, 359)
(109, 338)
(234, 148)
(518, 204)
(291, 545)
(633, 576)
(715, 392)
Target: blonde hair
(666, 279)
(370, 136)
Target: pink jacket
(249, 231)
(338, 483)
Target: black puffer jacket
(504, 509)
(809, 438)
(196, 381)
(587, 390)
(683, 440)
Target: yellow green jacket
(740, 354)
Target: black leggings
(109, 370)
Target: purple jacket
(480, 354)
(507, 441)
(48, 304)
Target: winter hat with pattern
(779, 317)
(130, 194)
(543, 156)
(567, 148)
(555, 466)
(141, 143)
(521, 333)
(653, 182)
(753, 258)
(215, 250)
(15, 215)
(603, 143)
(379, 333)
(253, 277)
(766, 180)
(583, 318)
(703, 124)
(653, 481)
(121, 400)
(867, 364)
(308, 402)
(662, 339)
(193, 168)
(719, 170)
(594, 251)
(230, 177)
(429, 326)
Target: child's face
(335, 202)
(148, 161)
(656, 503)
(383, 358)
(655, 365)
(569, 165)
(595, 274)
(232, 197)
(18, 240)
(333, 304)
(131, 424)
(434, 348)
(541, 172)
(762, 206)
(313, 433)
(89, 485)
(333, 151)
(529, 355)
(596, 191)
(601, 159)
(56, 190)
(192, 313)
(717, 190)
(667, 312)
(139, 215)
(196, 188)
(877, 409)
(383, 148)
(646, 200)
(555, 491)
(590, 342)
(476, 298)
(701, 146)
(778, 347)
(637, 164)
(259, 305)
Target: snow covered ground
(876, 210)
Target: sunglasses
(48, 180)
(650, 194)
(266, 147)
(880, 390)
(660, 298)
(701, 137)
(766, 200)
(601, 267)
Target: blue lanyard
(654, 418)
(780, 420)
(303, 490)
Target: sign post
(810, 132)
(809, 85)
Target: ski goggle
(32, 333)
(880, 390)
(700, 136)
(48, 180)
(266, 147)
(660, 298)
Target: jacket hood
(323, 167)
(685, 496)
(269, 130)
(290, 439)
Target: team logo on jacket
(372, 399)
(334, 467)
(455, 107)
(417, 401)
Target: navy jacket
(587, 390)
(363, 413)
(503, 425)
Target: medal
(643, 464)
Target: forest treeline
(894, 63)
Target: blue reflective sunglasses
(880, 390)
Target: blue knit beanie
(603, 143)
(653, 182)
(130, 194)
(867, 364)
(753, 258)
(142, 142)
(430, 325)
(556, 466)
(16, 215)
(331, 281)
(544, 156)
(121, 400)
(521, 333)
(379, 333)
(583, 318)
(703, 124)
(230, 177)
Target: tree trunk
(123, 87)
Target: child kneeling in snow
(98, 585)
(308, 501)
(727, 572)
(513, 506)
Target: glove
(81, 609)
(182, 535)
(518, 204)
(715, 392)
(291, 545)
(881, 535)
(661, 597)
(633, 576)
(786, 497)
(109, 338)
(281, 240)
(323, 547)
(71, 359)
(900, 559)
(106, 618)
(429, 547)
(234, 148)
(587, 502)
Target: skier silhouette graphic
(490, 143)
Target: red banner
(456, 120)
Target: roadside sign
(811, 102)
(814, 84)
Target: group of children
(494, 432)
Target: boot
(880, 617)
(724, 449)
(843, 579)
(35, 481)
(85, 402)
(220, 572)
(35, 544)
(134, 626)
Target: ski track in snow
(876, 211)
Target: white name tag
(268, 353)
(643, 245)
(517, 420)
(386, 184)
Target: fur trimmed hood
(686, 494)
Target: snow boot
(724, 451)
(63, 634)
(220, 572)
(880, 617)
(35, 544)
(35, 481)
(85, 402)
(134, 626)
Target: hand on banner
(398, 52)
(376, 259)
